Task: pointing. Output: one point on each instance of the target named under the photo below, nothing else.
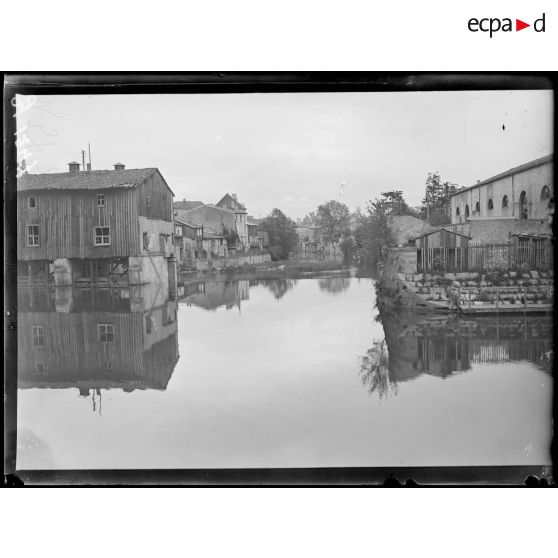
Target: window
(40, 368)
(457, 212)
(148, 201)
(146, 241)
(100, 200)
(467, 211)
(33, 235)
(38, 336)
(545, 195)
(477, 208)
(490, 205)
(148, 324)
(106, 333)
(31, 201)
(102, 236)
(505, 202)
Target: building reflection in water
(211, 295)
(441, 346)
(96, 339)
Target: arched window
(505, 202)
(477, 208)
(545, 195)
(457, 212)
(490, 205)
(467, 212)
(523, 212)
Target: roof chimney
(73, 166)
(88, 167)
(119, 166)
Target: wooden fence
(537, 254)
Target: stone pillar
(62, 272)
(173, 277)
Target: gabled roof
(509, 172)
(186, 205)
(212, 218)
(228, 202)
(187, 222)
(86, 180)
(437, 231)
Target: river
(275, 373)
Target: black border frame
(72, 83)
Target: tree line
(362, 236)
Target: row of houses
(121, 225)
(218, 230)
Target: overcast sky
(294, 150)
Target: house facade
(519, 200)
(231, 203)
(95, 225)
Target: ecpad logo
(494, 24)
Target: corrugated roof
(509, 172)
(85, 180)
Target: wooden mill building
(95, 226)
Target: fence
(537, 254)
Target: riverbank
(282, 269)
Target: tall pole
(89, 148)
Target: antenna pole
(89, 148)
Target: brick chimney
(73, 166)
(119, 166)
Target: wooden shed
(441, 250)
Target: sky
(291, 150)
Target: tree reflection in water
(279, 287)
(374, 371)
(334, 285)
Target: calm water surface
(275, 374)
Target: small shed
(441, 250)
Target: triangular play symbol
(519, 25)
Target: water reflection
(278, 287)
(442, 346)
(211, 295)
(334, 285)
(92, 339)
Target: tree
(395, 204)
(231, 235)
(436, 202)
(282, 234)
(372, 234)
(333, 218)
(347, 247)
(308, 220)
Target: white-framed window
(100, 200)
(38, 336)
(32, 235)
(102, 236)
(31, 202)
(105, 333)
